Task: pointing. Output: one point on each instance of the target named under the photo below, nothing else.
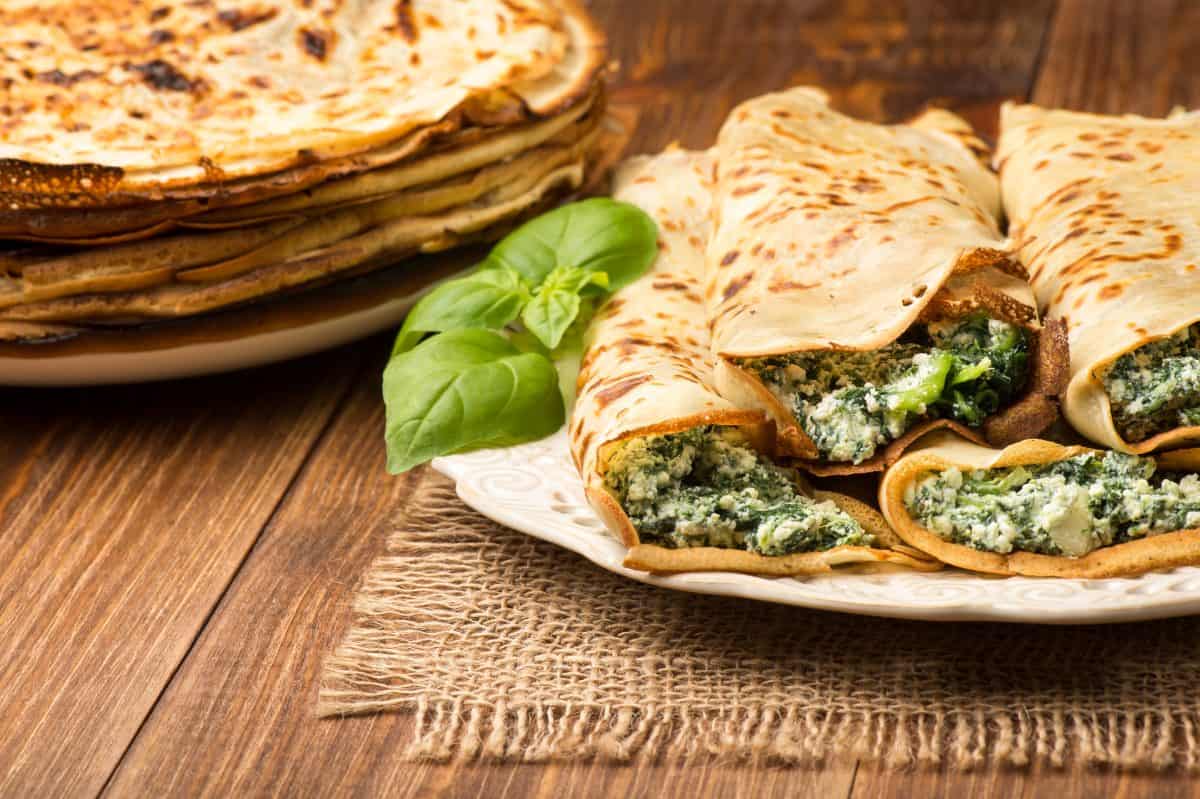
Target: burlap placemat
(507, 647)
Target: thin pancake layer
(837, 234)
(647, 371)
(428, 155)
(1104, 213)
(286, 263)
(858, 224)
(133, 98)
(944, 450)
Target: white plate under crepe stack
(175, 161)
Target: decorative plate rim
(534, 488)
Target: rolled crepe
(647, 371)
(1104, 213)
(942, 451)
(837, 234)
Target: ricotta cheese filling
(852, 402)
(708, 487)
(1156, 387)
(1066, 508)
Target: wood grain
(125, 512)
(1109, 56)
(238, 717)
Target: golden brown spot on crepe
(735, 286)
(1120, 157)
(742, 191)
(406, 23)
(238, 19)
(730, 257)
(1041, 165)
(644, 179)
(670, 285)
(783, 284)
(844, 236)
(1109, 292)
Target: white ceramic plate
(534, 488)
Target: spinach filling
(708, 487)
(1066, 508)
(850, 403)
(1156, 387)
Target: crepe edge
(1164, 550)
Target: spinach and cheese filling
(1156, 387)
(708, 487)
(1066, 508)
(852, 402)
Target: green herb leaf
(487, 298)
(464, 390)
(597, 235)
(556, 303)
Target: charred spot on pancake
(237, 19)
(161, 75)
(161, 36)
(60, 78)
(160, 13)
(316, 43)
(406, 23)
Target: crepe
(647, 370)
(288, 263)
(837, 234)
(425, 159)
(944, 450)
(135, 101)
(1104, 213)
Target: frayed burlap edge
(422, 594)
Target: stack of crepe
(169, 160)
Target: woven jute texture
(509, 648)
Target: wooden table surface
(176, 559)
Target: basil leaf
(597, 235)
(487, 298)
(568, 355)
(463, 390)
(556, 302)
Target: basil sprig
(507, 338)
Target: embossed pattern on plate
(535, 489)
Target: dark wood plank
(1114, 56)
(238, 717)
(1075, 783)
(1109, 56)
(125, 513)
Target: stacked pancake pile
(169, 159)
